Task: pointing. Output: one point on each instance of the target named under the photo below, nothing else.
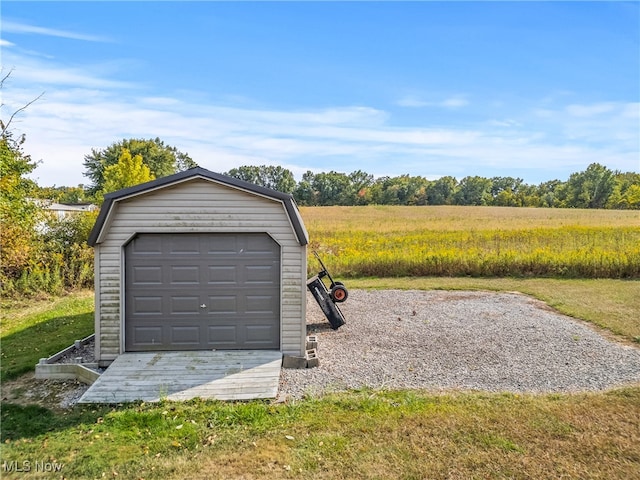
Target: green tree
(331, 188)
(528, 196)
(474, 191)
(19, 214)
(626, 191)
(549, 193)
(269, 176)
(360, 190)
(442, 191)
(303, 193)
(402, 190)
(129, 171)
(68, 195)
(632, 197)
(506, 191)
(589, 189)
(161, 159)
(334, 188)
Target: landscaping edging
(49, 369)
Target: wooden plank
(211, 388)
(222, 375)
(155, 394)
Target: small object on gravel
(459, 341)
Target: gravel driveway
(443, 340)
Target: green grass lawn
(42, 328)
(361, 434)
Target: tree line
(596, 187)
(133, 161)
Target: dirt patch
(53, 394)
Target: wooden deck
(222, 375)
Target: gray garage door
(202, 291)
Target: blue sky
(536, 90)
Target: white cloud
(415, 101)
(599, 123)
(28, 71)
(590, 110)
(455, 102)
(507, 122)
(412, 101)
(23, 28)
(632, 110)
(159, 101)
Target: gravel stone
(86, 352)
(452, 340)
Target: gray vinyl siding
(196, 205)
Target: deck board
(218, 374)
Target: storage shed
(199, 261)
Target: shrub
(58, 259)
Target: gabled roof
(112, 198)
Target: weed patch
(474, 241)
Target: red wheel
(339, 293)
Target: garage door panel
(186, 274)
(219, 335)
(259, 334)
(150, 336)
(203, 291)
(143, 275)
(147, 305)
(184, 305)
(222, 245)
(147, 245)
(262, 274)
(183, 244)
(185, 335)
(222, 304)
(222, 274)
(260, 304)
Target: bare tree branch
(5, 77)
(5, 126)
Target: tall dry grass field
(476, 241)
